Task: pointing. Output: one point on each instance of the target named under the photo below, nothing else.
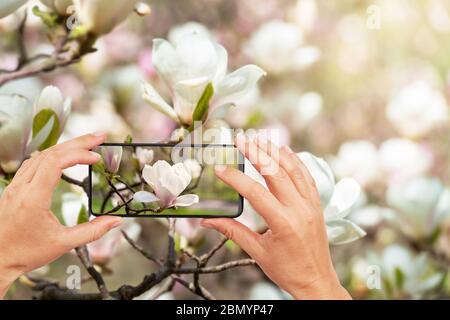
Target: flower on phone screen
(167, 182)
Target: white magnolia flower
(112, 156)
(402, 159)
(144, 156)
(176, 33)
(279, 47)
(16, 121)
(112, 243)
(167, 183)
(59, 6)
(417, 109)
(337, 199)
(403, 273)
(16, 116)
(52, 98)
(422, 204)
(9, 6)
(357, 159)
(101, 16)
(188, 66)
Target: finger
(287, 162)
(245, 238)
(310, 182)
(88, 232)
(87, 142)
(276, 178)
(259, 197)
(51, 166)
(25, 172)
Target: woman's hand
(30, 234)
(294, 252)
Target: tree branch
(218, 268)
(83, 254)
(83, 184)
(141, 250)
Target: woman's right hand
(294, 251)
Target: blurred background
(363, 84)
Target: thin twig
(141, 250)
(83, 184)
(207, 256)
(218, 268)
(83, 254)
(204, 293)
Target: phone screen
(156, 180)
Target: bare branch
(141, 250)
(218, 268)
(204, 293)
(83, 254)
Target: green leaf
(399, 278)
(128, 139)
(202, 108)
(40, 120)
(83, 216)
(50, 19)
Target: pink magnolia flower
(167, 183)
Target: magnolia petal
(15, 126)
(343, 231)
(67, 108)
(165, 59)
(345, 195)
(41, 136)
(322, 175)
(181, 171)
(186, 200)
(50, 98)
(222, 63)
(238, 83)
(187, 95)
(152, 97)
(145, 197)
(173, 183)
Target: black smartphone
(161, 180)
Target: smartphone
(161, 180)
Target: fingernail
(205, 223)
(116, 223)
(240, 139)
(220, 168)
(99, 133)
(95, 154)
(262, 139)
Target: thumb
(85, 233)
(238, 233)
